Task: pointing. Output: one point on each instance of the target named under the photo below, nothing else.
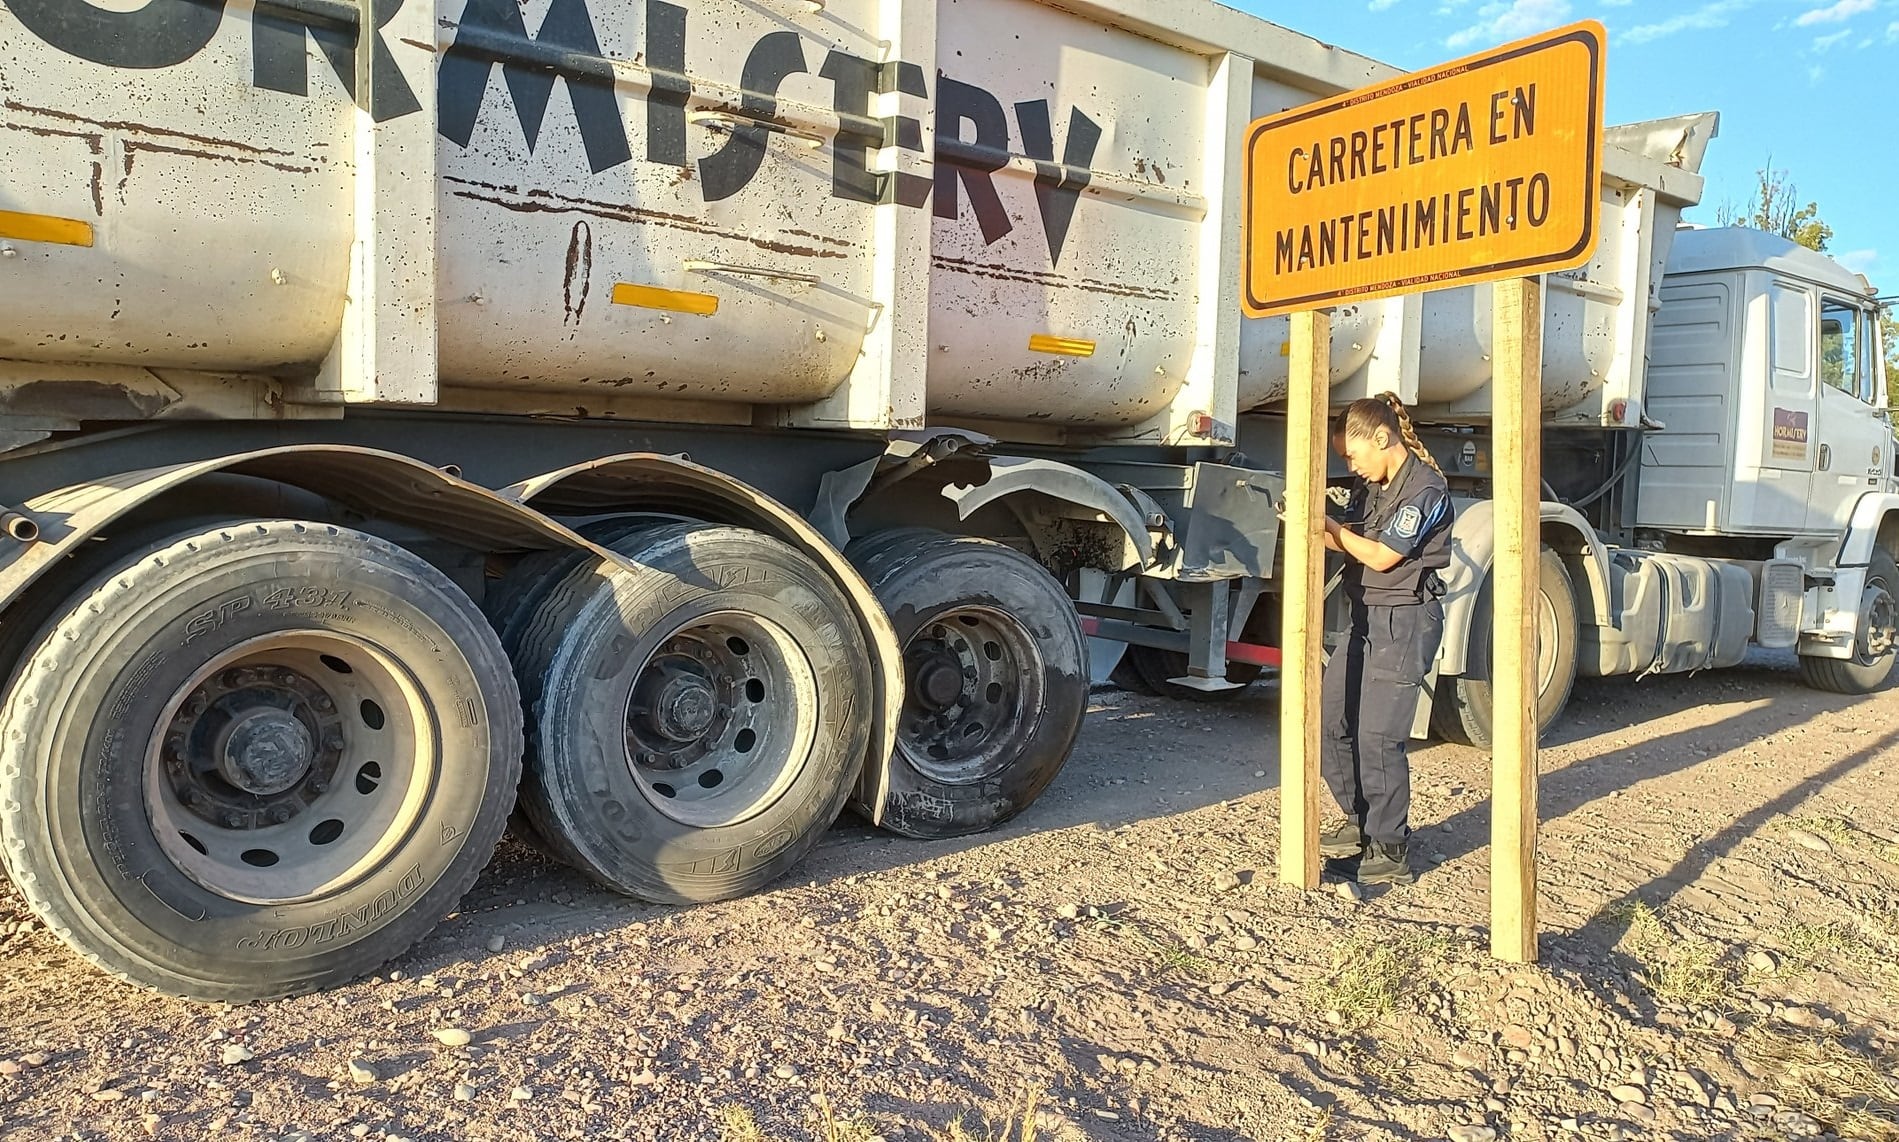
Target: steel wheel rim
(992, 662)
(290, 766)
(1546, 643)
(1875, 640)
(715, 725)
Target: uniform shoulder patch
(1406, 523)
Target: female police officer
(1399, 539)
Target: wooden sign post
(1487, 169)
(1303, 643)
(1517, 403)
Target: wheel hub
(938, 682)
(684, 708)
(266, 752)
(975, 691)
(711, 716)
(253, 746)
(1878, 634)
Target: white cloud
(1710, 15)
(1380, 5)
(1892, 32)
(1508, 20)
(1617, 3)
(1822, 43)
(1835, 13)
(1815, 75)
(1859, 261)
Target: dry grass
(1371, 973)
(1675, 968)
(1018, 1124)
(736, 1124)
(1844, 834)
(1808, 944)
(1852, 1093)
(831, 1128)
(1169, 958)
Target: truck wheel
(1871, 664)
(996, 673)
(1126, 677)
(1156, 666)
(1463, 710)
(257, 760)
(697, 722)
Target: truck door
(1854, 432)
(1783, 480)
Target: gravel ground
(1720, 916)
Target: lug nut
(189, 796)
(317, 785)
(323, 703)
(333, 742)
(231, 819)
(279, 814)
(286, 678)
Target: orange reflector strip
(676, 300)
(45, 228)
(1063, 346)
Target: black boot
(1385, 864)
(1341, 841)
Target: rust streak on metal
(551, 203)
(243, 160)
(825, 238)
(579, 269)
(116, 125)
(98, 189)
(94, 140)
(425, 46)
(1029, 277)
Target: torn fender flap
(1009, 475)
(652, 481)
(383, 484)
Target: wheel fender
(1013, 475)
(1474, 548)
(654, 482)
(1874, 515)
(378, 483)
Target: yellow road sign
(1478, 170)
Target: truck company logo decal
(493, 33)
(1790, 435)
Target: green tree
(1775, 207)
(1889, 336)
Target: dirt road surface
(1720, 928)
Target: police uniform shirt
(1411, 515)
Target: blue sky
(1810, 82)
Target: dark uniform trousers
(1370, 695)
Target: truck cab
(1764, 389)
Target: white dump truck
(694, 416)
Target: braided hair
(1363, 418)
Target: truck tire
(514, 598)
(257, 760)
(696, 723)
(1462, 711)
(996, 681)
(1124, 676)
(1156, 666)
(1865, 672)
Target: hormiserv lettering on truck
(493, 33)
